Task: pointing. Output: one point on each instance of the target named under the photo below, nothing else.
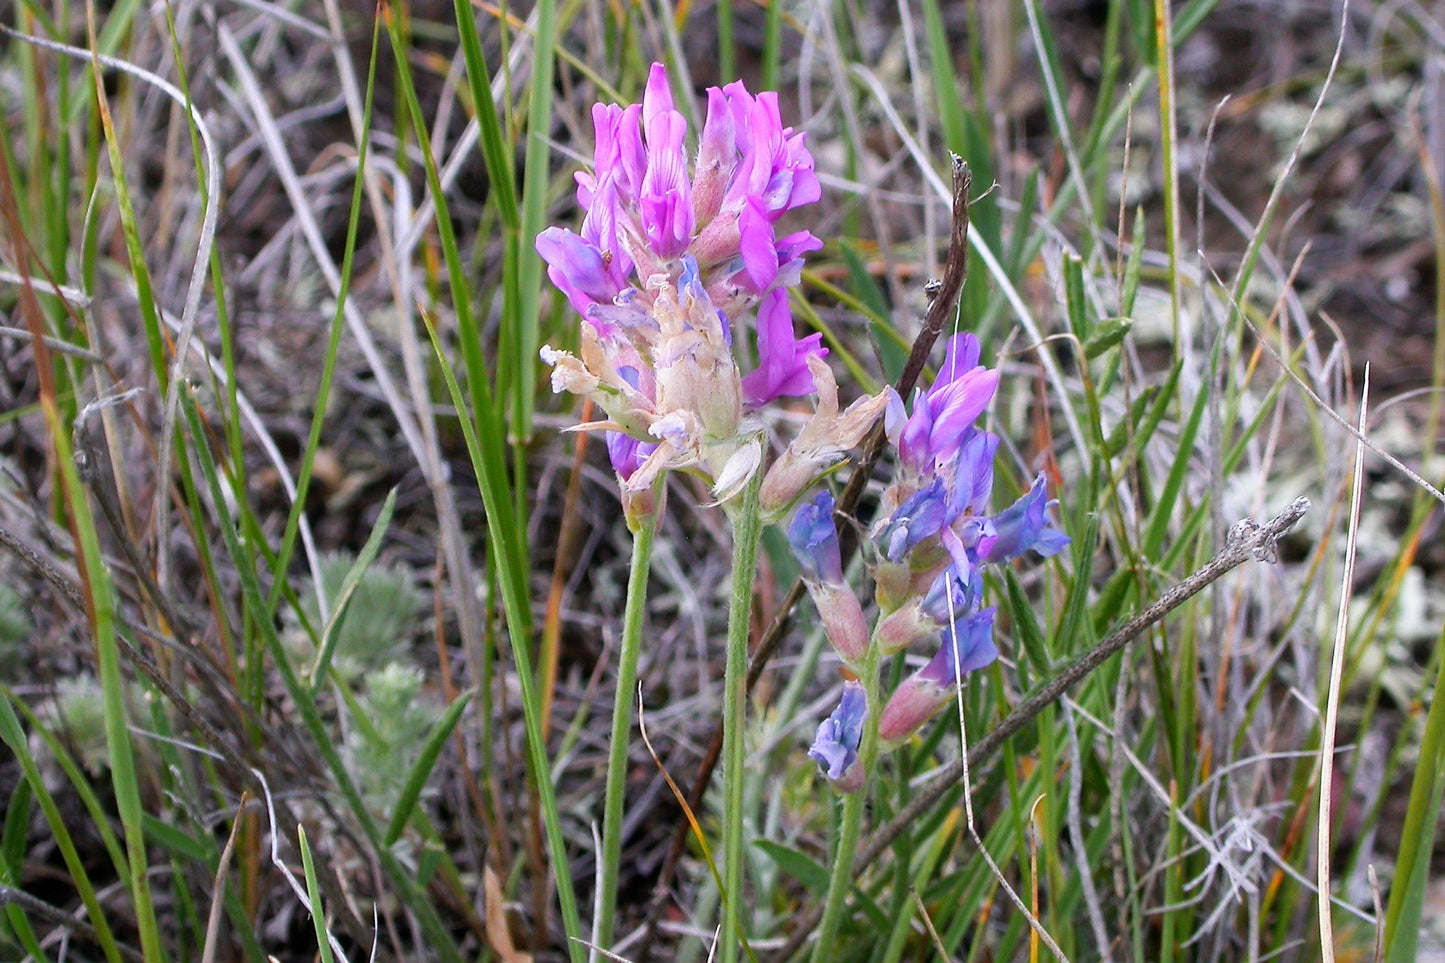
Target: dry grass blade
(210, 178)
(218, 897)
(1324, 826)
(499, 934)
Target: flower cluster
(934, 535)
(667, 263)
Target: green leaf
(1128, 428)
(890, 351)
(416, 779)
(177, 841)
(313, 893)
(803, 868)
(1107, 334)
(1075, 299)
(331, 633)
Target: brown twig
(944, 298)
(1247, 540)
(9, 896)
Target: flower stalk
(644, 528)
(746, 515)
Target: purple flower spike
(670, 261)
(782, 359)
(1025, 526)
(814, 539)
(835, 748)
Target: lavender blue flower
(813, 537)
(922, 516)
(967, 646)
(1025, 526)
(930, 437)
(936, 533)
(835, 747)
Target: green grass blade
(313, 893)
(422, 769)
(535, 180)
(1405, 910)
(14, 737)
(331, 634)
(514, 603)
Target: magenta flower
(645, 210)
(782, 359)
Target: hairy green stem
(622, 706)
(851, 829)
(747, 530)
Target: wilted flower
(822, 442)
